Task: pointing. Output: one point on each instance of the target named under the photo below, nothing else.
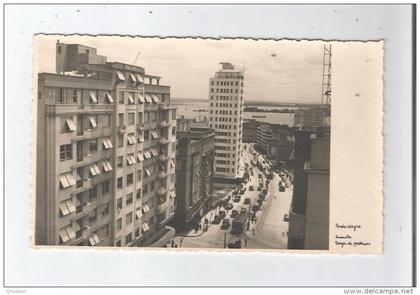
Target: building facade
(105, 153)
(249, 131)
(226, 103)
(276, 141)
(194, 174)
(309, 213)
(310, 117)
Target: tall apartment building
(105, 153)
(309, 212)
(194, 173)
(250, 130)
(226, 103)
(310, 117)
(275, 140)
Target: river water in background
(199, 110)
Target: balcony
(163, 157)
(82, 134)
(162, 174)
(121, 129)
(165, 124)
(61, 109)
(140, 126)
(164, 140)
(161, 208)
(162, 191)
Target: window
(60, 95)
(121, 119)
(108, 97)
(121, 97)
(75, 95)
(128, 238)
(152, 186)
(173, 115)
(120, 161)
(92, 121)
(140, 117)
(120, 182)
(129, 220)
(152, 117)
(130, 98)
(130, 179)
(67, 125)
(93, 96)
(119, 224)
(130, 119)
(93, 193)
(105, 187)
(66, 152)
(146, 117)
(93, 145)
(146, 135)
(145, 189)
(174, 130)
(138, 194)
(129, 199)
(120, 139)
(106, 120)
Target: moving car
(216, 219)
(247, 201)
(251, 188)
(237, 199)
(234, 213)
(228, 206)
(235, 245)
(225, 224)
(222, 214)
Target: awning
(107, 143)
(63, 235)
(131, 139)
(130, 98)
(109, 97)
(172, 163)
(155, 98)
(63, 208)
(148, 98)
(70, 205)
(146, 208)
(120, 76)
(93, 97)
(107, 166)
(172, 194)
(133, 78)
(140, 138)
(154, 152)
(94, 170)
(93, 122)
(139, 78)
(76, 226)
(147, 154)
(70, 124)
(154, 134)
(138, 213)
(141, 98)
(147, 171)
(140, 156)
(67, 180)
(70, 232)
(131, 160)
(145, 226)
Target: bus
(239, 222)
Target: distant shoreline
(188, 101)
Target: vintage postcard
(210, 144)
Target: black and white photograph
(217, 144)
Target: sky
(275, 71)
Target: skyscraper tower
(226, 104)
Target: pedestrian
(246, 242)
(172, 243)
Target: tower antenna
(326, 76)
(137, 56)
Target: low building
(275, 141)
(309, 212)
(249, 129)
(310, 117)
(194, 173)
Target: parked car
(237, 199)
(234, 213)
(228, 206)
(251, 188)
(259, 188)
(225, 224)
(286, 217)
(282, 189)
(216, 219)
(235, 245)
(247, 201)
(243, 210)
(222, 214)
(255, 208)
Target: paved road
(269, 230)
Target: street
(268, 232)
